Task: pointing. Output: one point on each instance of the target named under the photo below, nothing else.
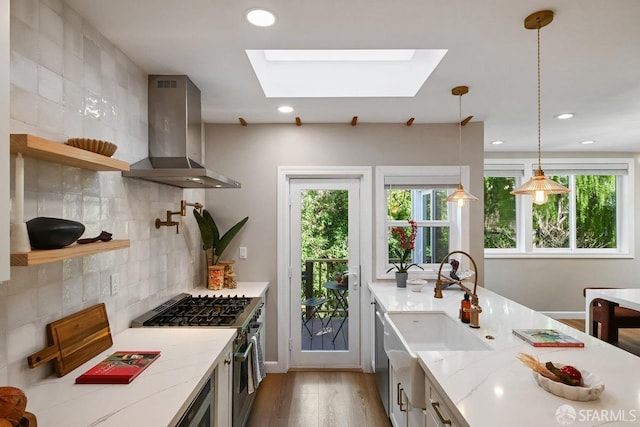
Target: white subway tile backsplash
(26, 11)
(72, 207)
(50, 85)
(24, 39)
(24, 106)
(73, 124)
(55, 5)
(24, 73)
(72, 294)
(50, 118)
(72, 97)
(49, 177)
(73, 41)
(71, 17)
(50, 54)
(49, 303)
(27, 301)
(69, 81)
(50, 204)
(51, 24)
(91, 80)
(72, 67)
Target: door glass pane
(551, 220)
(324, 294)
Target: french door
(324, 273)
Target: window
(593, 220)
(419, 194)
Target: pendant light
(539, 186)
(460, 196)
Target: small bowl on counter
(416, 285)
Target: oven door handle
(243, 356)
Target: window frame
(449, 176)
(524, 212)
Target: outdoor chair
(313, 305)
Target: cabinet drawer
(438, 412)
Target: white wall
(68, 81)
(252, 154)
(556, 284)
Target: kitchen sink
(406, 333)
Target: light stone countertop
(493, 388)
(248, 289)
(158, 397)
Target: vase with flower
(406, 244)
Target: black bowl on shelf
(53, 233)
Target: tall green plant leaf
(206, 230)
(215, 237)
(228, 236)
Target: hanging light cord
(460, 136)
(539, 161)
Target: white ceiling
(590, 61)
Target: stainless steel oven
(238, 312)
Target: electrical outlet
(115, 284)
(243, 252)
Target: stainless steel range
(239, 312)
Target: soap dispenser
(465, 307)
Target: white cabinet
(401, 412)
(440, 412)
(224, 388)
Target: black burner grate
(201, 311)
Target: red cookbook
(120, 367)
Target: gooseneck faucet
(182, 212)
(475, 310)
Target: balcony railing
(315, 273)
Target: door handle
(436, 407)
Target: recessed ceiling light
(343, 73)
(587, 142)
(261, 17)
(564, 116)
(285, 109)
(497, 142)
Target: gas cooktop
(203, 311)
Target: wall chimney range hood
(175, 137)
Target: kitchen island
(492, 387)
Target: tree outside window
(586, 219)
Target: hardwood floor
(628, 340)
(318, 399)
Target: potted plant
(403, 252)
(214, 245)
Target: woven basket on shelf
(94, 145)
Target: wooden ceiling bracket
(243, 122)
(465, 121)
(410, 121)
(298, 121)
(354, 121)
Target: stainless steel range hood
(175, 137)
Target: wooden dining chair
(610, 317)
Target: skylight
(323, 73)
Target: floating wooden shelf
(35, 257)
(44, 149)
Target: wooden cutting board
(75, 339)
